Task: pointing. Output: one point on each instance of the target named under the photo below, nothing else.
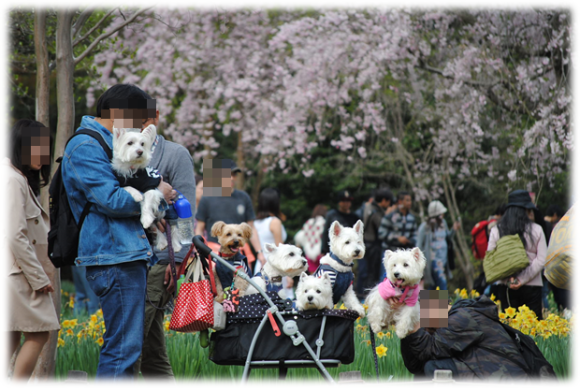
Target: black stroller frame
(289, 328)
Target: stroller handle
(199, 243)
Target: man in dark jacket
(474, 345)
(342, 214)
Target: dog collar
(276, 279)
(337, 259)
(405, 292)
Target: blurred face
(344, 206)
(36, 149)
(530, 213)
(406, 203)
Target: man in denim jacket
(112, 242)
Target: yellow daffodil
(437, 289)
(456, 291)
(366, 307)
(510, 312)
(66, 323)
(381, 350)
(359, 327)
(99, 313)
(492, 297)
(71, 302)
(100, 341)
(388, 334)
(342, 307)
(70, 332)
(73, 322)
(533, 332)
(502, 315)
(547, 335)
(463, 293)
(94, 318)
(60, 343)
(474, 293)
(381, 335)
(166, 325)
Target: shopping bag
(194, 308)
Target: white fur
(314, 293)
(284, 260)
(131, 152)
(347, 244)
(404, 268)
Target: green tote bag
(506, 259)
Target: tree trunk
(258, 184)
(460, 244)
(45, 366)
(241, 162)
(42, 81)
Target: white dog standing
(284, 260)
(404, 272)
(346, 245)
(131, 155)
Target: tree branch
(108, 34)
(81, 20)
(96, 26)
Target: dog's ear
(118, 132)
(387, 254)
(326, 278)
(303, 276)
(417, 254)
(359, 228)
(246, 231)
(269, 248)
(335, 229)
(217, 228)
(150, 132)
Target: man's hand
(168, 193)
(45, 289)
(403, 240)
(456, 225)
(168, 279)
(394, 302)
(514, 283)
(390, 209)
(262, 258)
(161, 226)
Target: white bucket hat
(436, 208)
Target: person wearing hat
(526, 286)
(432, 239)
(225, 203)
(342, 214)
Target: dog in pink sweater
(404, 272)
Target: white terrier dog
(314, 293)
(404, 272)
(346, 245)
(131, 155)
(284, 260)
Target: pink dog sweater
(409, 295)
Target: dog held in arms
(131, 156)
(283, 260)
(231, 237)
(404, 272)
(346, 245)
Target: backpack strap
(97, 136)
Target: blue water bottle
(184, 219)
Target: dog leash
(374, 351)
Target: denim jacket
(112, 232)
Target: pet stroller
(253, 335)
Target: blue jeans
(86, 300)
(439, 277)
(121, 290)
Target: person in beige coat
(31, 311)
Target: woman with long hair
(432, 238)
(270, 229)
(526, 286)
(32, 312)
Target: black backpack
(63, 237)
(537, 364)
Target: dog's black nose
(139, 152)
(356, 252)
(397, 275)
(310, 298)
(236, 242)
(303, 262)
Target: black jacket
(474, 339)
